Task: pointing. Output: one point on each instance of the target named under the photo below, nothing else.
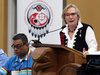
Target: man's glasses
(18, 46)
(72, 14)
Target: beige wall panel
(90, 14)
(3, 24)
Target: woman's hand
(85, 53)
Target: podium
(51, 59)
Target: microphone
(58, 29)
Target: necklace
(72, 30)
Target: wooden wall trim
(3, 24)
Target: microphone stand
(38, 41)
(57, 29)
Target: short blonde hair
(66, 8)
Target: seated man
(3, 58)
(22, 61)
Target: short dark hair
(21, 36)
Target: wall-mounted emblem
(39, 18)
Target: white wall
(11, 25)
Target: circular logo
(38, 15)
